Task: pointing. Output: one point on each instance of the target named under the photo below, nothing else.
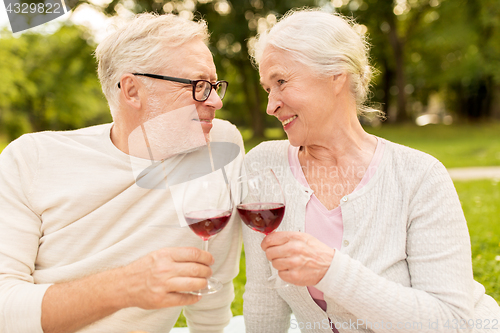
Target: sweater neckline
(298, 173)
(136, 161)
(358, 192)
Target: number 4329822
(485, 324)
(32, 8)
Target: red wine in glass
(207, 223)
(207, 207)
(262, 217)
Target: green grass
(480, 202)
(454, 145)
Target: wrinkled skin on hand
(156, 280)
(300, 258)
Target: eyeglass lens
(203, 89)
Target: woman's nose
(273, 104)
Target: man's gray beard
(171, 133)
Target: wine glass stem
(205, 248)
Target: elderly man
(89, 240)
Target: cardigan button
(344, 199)
(346, 242)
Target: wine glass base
(212, 287)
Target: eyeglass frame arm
(163, 77)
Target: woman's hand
(299, 258)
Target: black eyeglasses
(201, 88)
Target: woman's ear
(131, 91)
(339, 82)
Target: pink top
(326, 225)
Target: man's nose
(214, 100)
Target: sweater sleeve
(20, 297)
(439, 264)
(212, 313)
(263, 308)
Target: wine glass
(262, 207)
(207, 207)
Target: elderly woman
(373, 238)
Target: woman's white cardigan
(405, 261)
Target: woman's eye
(280, 82)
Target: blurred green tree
(436, 46)
(401, 32)
(420, 48)
(390, 23)
(457, 52)
(50, 83)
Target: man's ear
(131, 91)
(339, 81)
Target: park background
(438, 81)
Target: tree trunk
(387, 81)
(251, 86)
(495, 101)
(257, 112)
(397, 44)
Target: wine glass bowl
(207, 223)
(207, 208)
(262, 207)
(262, 217)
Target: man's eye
(280, 82)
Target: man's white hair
(139, 47)
(326, 43)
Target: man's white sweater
(70, 207)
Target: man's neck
(119, 138)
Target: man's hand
(152, 282)
(299, 258)
(158, 280)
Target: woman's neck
(345, 142)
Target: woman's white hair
(139, 46)
(326, 43)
